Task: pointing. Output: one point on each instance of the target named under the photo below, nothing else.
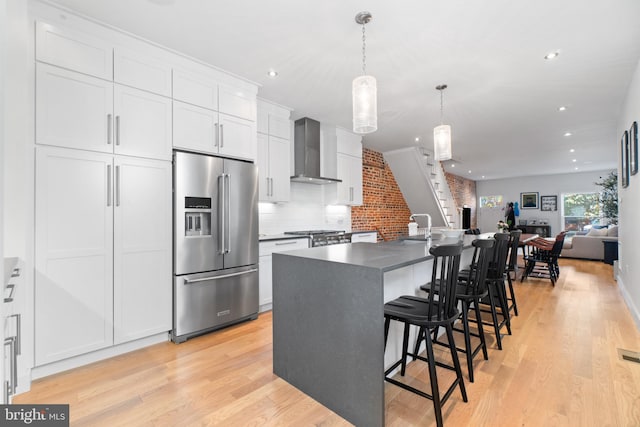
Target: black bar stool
(429, 313)
(512, 267)
(470, 290)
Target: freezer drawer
(207, 301)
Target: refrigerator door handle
(222, 215)
(224, 276)
(228, 216)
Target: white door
(279, 152)
(142, 248)
(73, 253)
(195, 128)
(142, 123)
(237, 137)
(264, 180)
(73, 110)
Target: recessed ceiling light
(552, 55)
(272, 73)
(482, 176)
(568, 134)
(573, 150)
(562, 108)
(453, 165)
(469, 171)
(574, 160)
(417, 139)
(576, 168)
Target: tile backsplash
(306, 211)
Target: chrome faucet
(427, 231)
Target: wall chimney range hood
(306, 153)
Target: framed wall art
(633, 149)
(548, 203)
(529, 200)
(624, 160)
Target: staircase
(423, 184)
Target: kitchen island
(328, 319)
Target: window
(581, 211)
(490, 201)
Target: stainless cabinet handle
(286, 243)
(224, 276)
(109, 128)
(117, 185)
(271, 186)
(221, 135)
(267, 187)
(215, 141)
(108, 185)
(18, 317)
(117, 130)
(11, 384)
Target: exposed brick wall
(384, 208)
(464, 193)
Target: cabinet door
(73, 110)
(264, 179)
(236, 102)
(142, 248)
(237, 137)
(356, 180)
(344, 187)
(137, 70)
(142, 123)
(279, 126)
(195, 88)
(265, 283)
(73, 253)
(74, 50)
(279, 152)
(195, 128)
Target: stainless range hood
(307, 153)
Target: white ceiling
(503, 97)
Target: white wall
(306, 211)
(545, 185)
(628, 207)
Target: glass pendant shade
(365, 104)
(442, 142)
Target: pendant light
(442, 134)
(364, 90)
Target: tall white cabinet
(274, 151)
(349, 162)
(109, 110)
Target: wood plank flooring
(559, 368)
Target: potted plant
(609, 196)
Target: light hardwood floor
(559, 368)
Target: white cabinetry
(224, 117)
(370, 237)
(80, 249)
(267, 248)
(349, 161)
(274, 150)
(78, 111)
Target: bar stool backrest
(482, 255)
(500, 252)
(513, 244)
(446, 264)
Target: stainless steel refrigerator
(215, 243)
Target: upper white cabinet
(137, 70)
(78, 111)
(349, 162)
(142, 123)
(213, 117)
(73, 110)
(74, 50)
(274, 151)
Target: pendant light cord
(441, 107)
(364, 55)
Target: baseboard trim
(635, 313)
(95, 356)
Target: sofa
(589, 245)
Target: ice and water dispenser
(197, 219)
